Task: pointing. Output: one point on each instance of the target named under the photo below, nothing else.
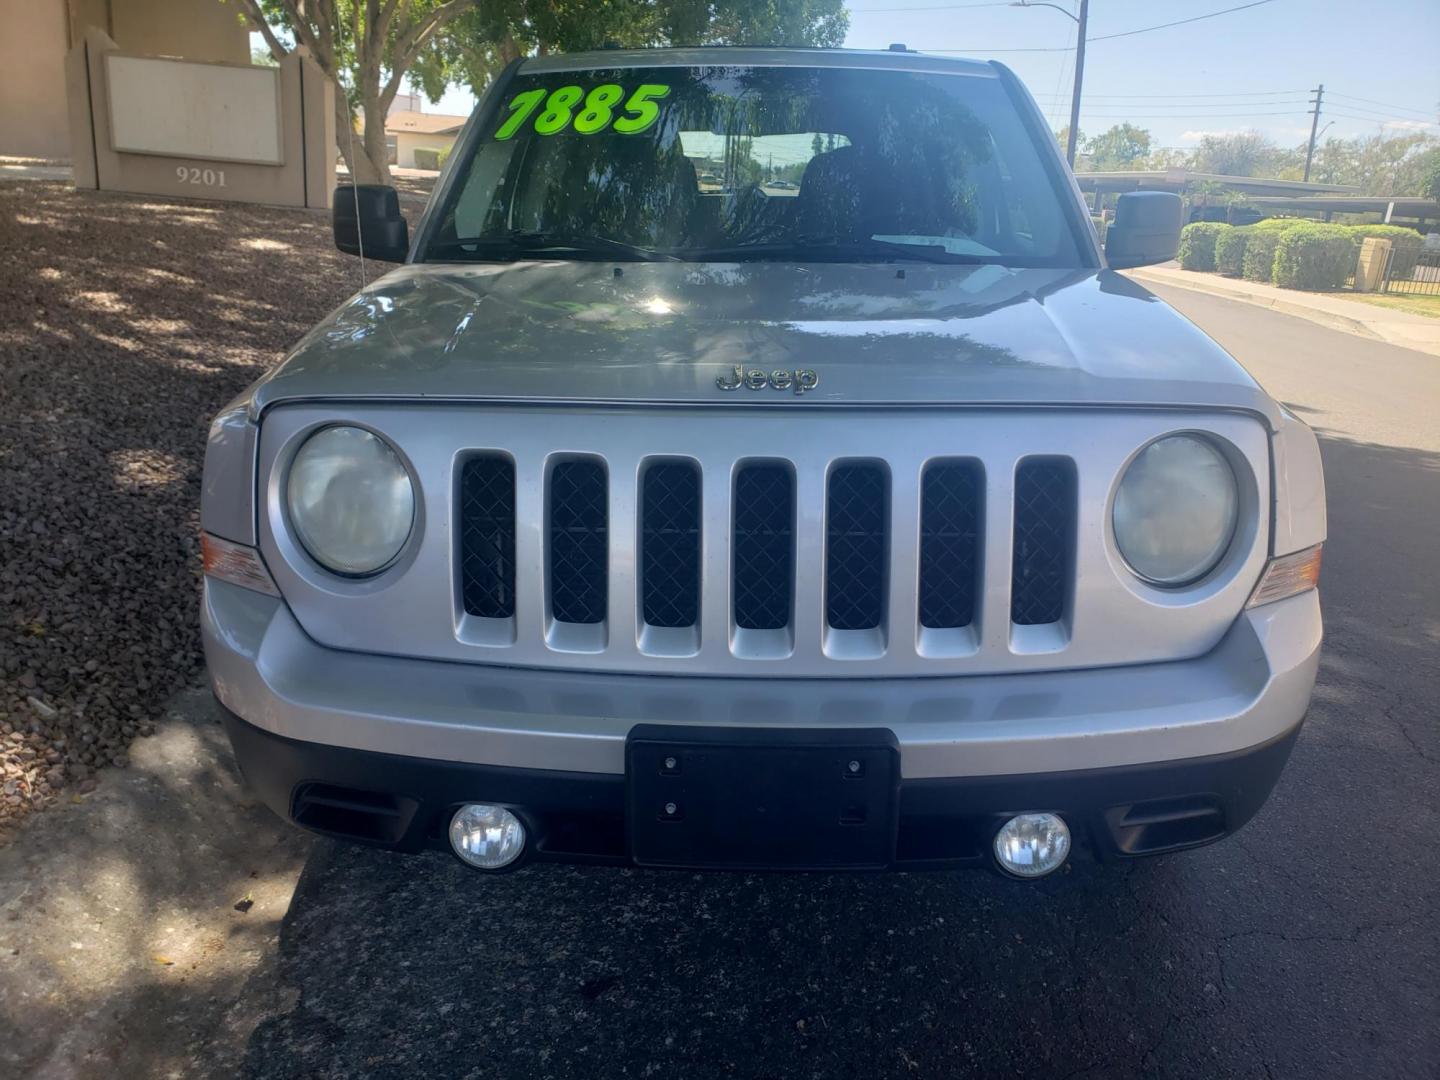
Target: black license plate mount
(762, 798)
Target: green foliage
(444, 156)
(1121, 147)
(1406, 241)
(490, 34)
(1259, 261)
(1377, 164)
(1314, 256)
(1230, 250)
(1429, 168)
(1197, 245)
(426, 158)
(1278, 224)
(1245, 153)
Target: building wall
(33, 119)
(37, 34)
(406, 143)
(193, 29)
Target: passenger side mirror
(367, 221)
(1146, 229)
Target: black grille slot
(949, 544)
(670, 544)
(579, 544)
(487, 537)
(764, 546)
(1044, 540)
(856, 522)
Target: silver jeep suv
(756, 462)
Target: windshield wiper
(833, 247)
(523, 242)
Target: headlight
(1175, 510)
(351, 501)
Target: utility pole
(1079, 76)
(1314, 125)
(1081, 20)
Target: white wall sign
(180, 108)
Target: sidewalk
(1402, 328)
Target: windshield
(732, 163)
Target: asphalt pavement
(1305, 946)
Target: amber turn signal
(1288, 575)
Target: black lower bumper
(405, 803)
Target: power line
(1248, 93)
(1111, 37)
(1372, 101)
(1381, 120)
(1180, 22)
(933, 7)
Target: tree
(1430, 174)
(491, 34)
(1377, 164)
(1122, 147)
(371, 47)
(1245, 153)
(1062, 137)
(366, 47)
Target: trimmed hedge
(1282, 223)
(1406, 241)
(1197, 245)
(1259, 261)
(1230, 251)
(1313, 256)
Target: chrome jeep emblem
(801, 380)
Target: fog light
(1032, 845)
(485, 836)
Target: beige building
(38, 33)
(409, 130)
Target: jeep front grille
(579, 547)
(487, 536)
(1044, 526)
(856, 515)
(670, 544)
(949, 544)
(791, 542)
(764, 546)
(858, 559)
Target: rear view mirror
(1146, 229)
(367, 221)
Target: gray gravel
(127, 323)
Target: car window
(732, 162)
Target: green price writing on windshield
(588, 114)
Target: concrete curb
(1285, 307)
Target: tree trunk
(366, 164)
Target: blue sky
(1250, 69)
(1264, 59)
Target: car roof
(749, 56)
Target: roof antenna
(355, 191)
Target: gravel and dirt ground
(127, 323)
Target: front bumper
(1141, 759)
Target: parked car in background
(884, 526)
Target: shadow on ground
(1302, 947)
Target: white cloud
(1409, 125)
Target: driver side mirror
(367, 221)
(1146, 229)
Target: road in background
(1303, 947)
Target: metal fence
(1413, 272)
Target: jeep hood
(905, 334)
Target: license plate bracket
(762, 798)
